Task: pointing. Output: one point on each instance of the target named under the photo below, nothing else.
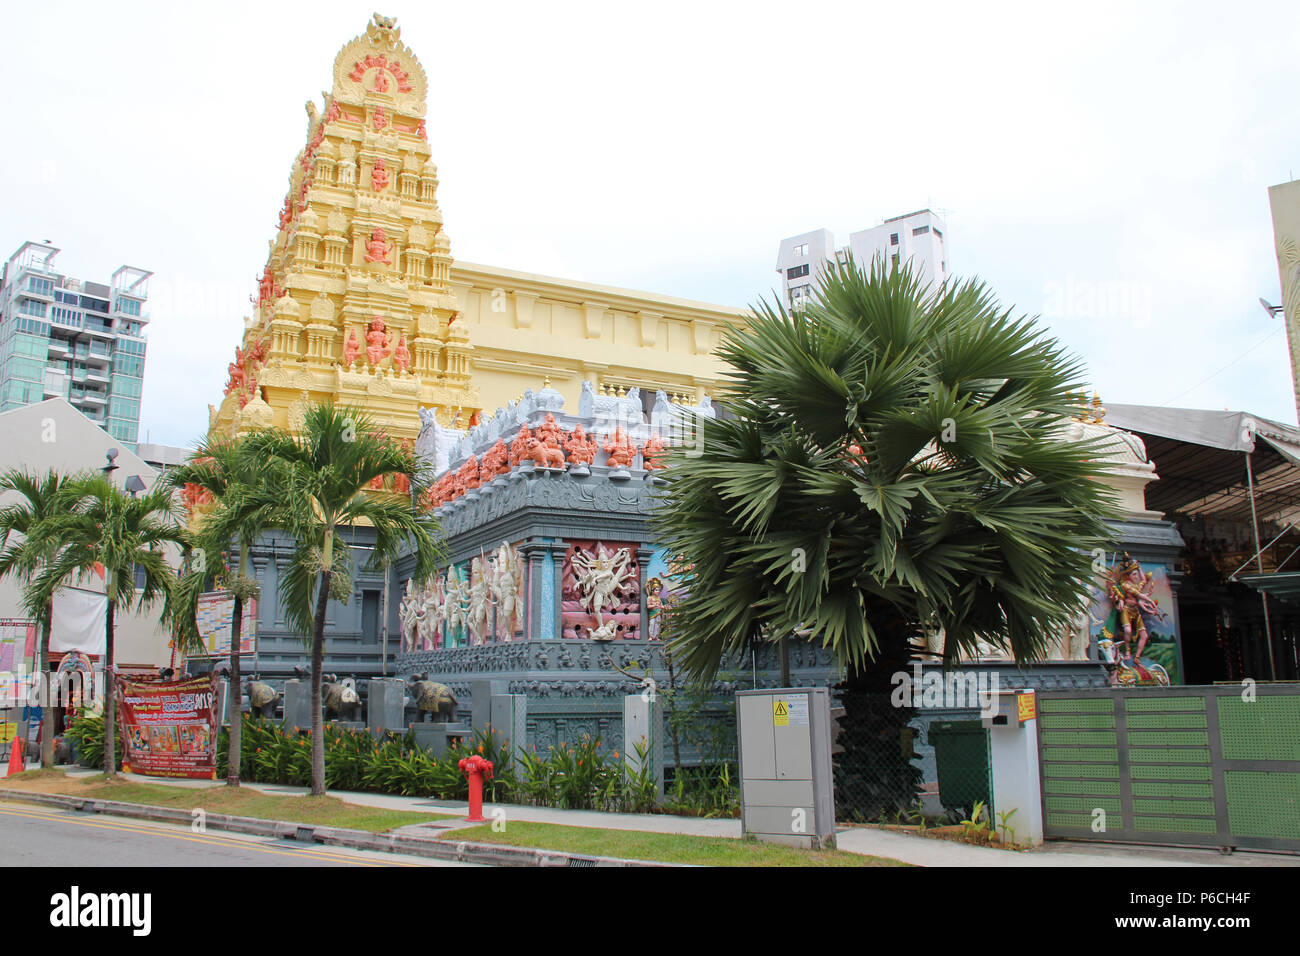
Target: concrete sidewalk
(871, 841)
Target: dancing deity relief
(379, 176)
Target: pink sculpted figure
(236, 370)
(378, 342)
(544, 456)
(519, 447)
(351, 349)
(581, 447)
(654, 453)
(381, 120)
(381, 82)
(379, 249)
(379, 178)
(620, 450)
(549, 432)
(401, 354)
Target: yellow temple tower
(360, 302)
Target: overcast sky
(1103, 165)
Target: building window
(894, 260)
(798, 272)
(920, 230)
(801, 249)
(938, 234)
(893, 238)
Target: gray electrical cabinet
(786, 781)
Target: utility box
(1013, 753)
(786, 779)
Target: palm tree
(111, 532)
(246, 502)
(894, 467)
(42, 497)
(325, 477)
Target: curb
(489, 854)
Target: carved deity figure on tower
(402, 355)
(379, 179)
(381, 120)
(236, 369)
(351, 349)
(378, 341)
(379, 249)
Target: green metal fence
(1209, 766)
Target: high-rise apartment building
(918, 237)
(81, 341)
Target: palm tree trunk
(110, 702)
(317, 665)
(236, 694)
(47, 696)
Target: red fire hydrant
(475, 768)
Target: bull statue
(432, 700)
(338, 699)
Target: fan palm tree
(41, 498)
(107, 531)
(894, 467)
(325, 473)
(246, 498)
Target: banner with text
(169, 728)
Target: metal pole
(383, 653)
(1259, 564)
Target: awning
(1284, 585)
(1200, 458)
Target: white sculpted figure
(507, 584)
(480, 598)
(600, 576)
(453, 605)
(406, 615)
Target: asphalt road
(45, 836)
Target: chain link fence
(901, 765)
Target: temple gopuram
(361, 303)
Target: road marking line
(317, 852)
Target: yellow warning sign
(780, 713)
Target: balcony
(97, 398)
(60, 345)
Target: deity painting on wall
(663, 588)
(1131, 622)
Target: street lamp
(1273, 310)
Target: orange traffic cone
(16, 747)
